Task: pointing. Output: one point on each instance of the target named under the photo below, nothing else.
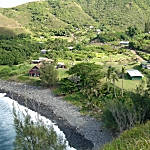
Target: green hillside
(35, 16)
(118, 13)
(59, 17)
(49, 16)
(71, 13)
(9, 26)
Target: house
(125, 43)
(91, 27)
(98, 31)
(70, 48)
(134, 74)
(36, 61)
(42, 59)
(61, 65)
(43, 51)
(35, 71)
(145, 65)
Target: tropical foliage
(35, 135)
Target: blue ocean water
(7, 129)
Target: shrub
(35, 135)
(134, 139)
(67, 86)
(120, 114)
(5, 72)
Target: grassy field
(128, 84)
(18, 73)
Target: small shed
(43, 51)
(125, 43)
(36, 61)
(61, 65)
(134, 74)
(70, 47)
(35, 71)
(145, 65)
(43, 59)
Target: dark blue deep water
(7, 131)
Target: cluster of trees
(109, 36)
(15, 50)
(117, 14)
(121, 109)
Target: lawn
(18, 73)
(128, 84)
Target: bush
(134, 139)
(67, 86)
(5, 72)
(35, 135)
(120, 114)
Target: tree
(48, 74)
(89, 76)
(147, 26)
(132, 31)
(122, 72)
(110, 70)
(35, 135)
(114, 79)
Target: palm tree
(122, 72)
(108, 74)
(114, 79)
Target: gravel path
(86, 126)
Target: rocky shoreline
(82, 132)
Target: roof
(42, 58)
(70, 47)
(145, 63)
(36, 61)
(60, 63)
(134, 73)
(43, 50)
(124, 42)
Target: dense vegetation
(16, 49)
(117, 14)
(95, 78)
(35, 135)
(134, 139)
(61, 17)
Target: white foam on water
(34, 115)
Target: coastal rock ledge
(82, 132)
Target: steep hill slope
(118, 13)
(71, 13)
(61, 15)
(46, 16)
(9, 26)
(34, 16)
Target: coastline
(82, 132)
